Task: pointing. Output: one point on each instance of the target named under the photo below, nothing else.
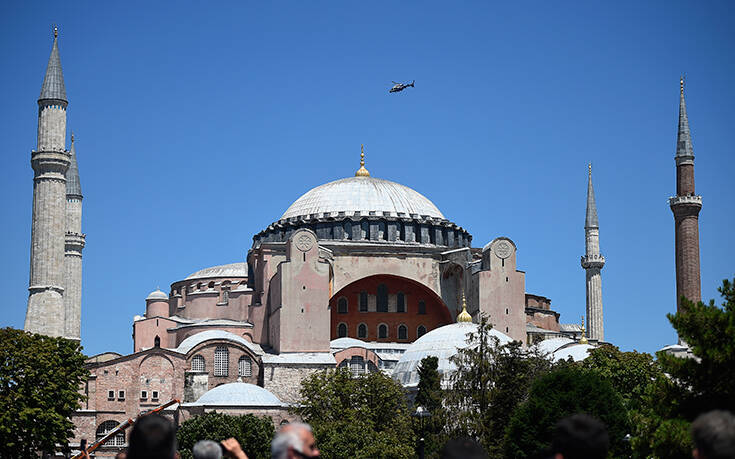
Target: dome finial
(583, 339)
(464, 316)
(362, 172)
(56, 32)
(681, 85)
(589, 166)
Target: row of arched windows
(381, 302)
(362, 331)
(222, 363)
(357, 365)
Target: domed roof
(157, 294)
(442, 342)
(576, 351)
(231, 270)
(364, 195)
(194, 340)
(239, 394)
(551, 345)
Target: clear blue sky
(198, 123)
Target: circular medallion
(304, 243)
(503, 249)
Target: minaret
(686, 206)
(592, 262)
(50, 161)
(74, 239)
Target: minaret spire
(74, 243)
(593, 262)
(53, 82)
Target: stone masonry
(592, 263)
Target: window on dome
(347, 229)
(422, 307)
(362, 331)
(382, 331)
(400, 302)
(382, 231)
(402, 332)
(342, 306)
(432, 235)
(401, 232)
(197, 363)
(221, 361)
(341, 330)
(365, 229)
(107, 427)
(421, 331)
(363, 301)
(244, 366)
(382, 298)
(417, 233)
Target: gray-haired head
(714, 435)
(288, 436)
(207, 449)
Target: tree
(40, 379)
(252, 432)
(358, 417)
(489, 383)
(429, 396)
(566, 390)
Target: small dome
(239, 394)
(577, 352)
(364, 195)
(551, 345)
(442, 342)
(346, 342)
(230, 270)
(157, 294)
(194, 340)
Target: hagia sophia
(361, 272)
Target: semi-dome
(367, 195)
(239, 394)
(194, 340)
(442, 342)
(229, 270)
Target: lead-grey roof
(683, 139)
(73, 186)
(239, 394)
(230, 270)
(364, 195)
(53, 82)
(590, 220)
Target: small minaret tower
(592, 262)
(686, 206)
(74, 240)
(50, 162)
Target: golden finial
(583, 339)
(362, 172)
(681, 85)
(56, 32)
(464, 316)
(589, 166)
(72, 136)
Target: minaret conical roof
(53, 82)
(73, 186)
(683, 139)
(591, 218)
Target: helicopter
(398, 87)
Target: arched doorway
(386, 308)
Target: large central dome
(367, 195)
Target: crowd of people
(576, 437)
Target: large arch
(366, 299)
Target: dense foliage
(252, 432)
(357, 417)
(564, 391)
(429, 396)
(40, 379)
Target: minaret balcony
(690, 200)
(592, 261)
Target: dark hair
(714, 435)
(463, 448)
(581, 437)
(152, 437)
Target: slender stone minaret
(686, 206)
(73, 249)
(592, 262)
(50, 162)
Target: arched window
(245, 366)
(400, 302)
(221, 361)
(363, 301)
(341, 330)
(157, 341)
(382, 231)
(225, 295)
(365, 229)
(401, 232)
(357, 365)
(342, 305)
(421, 331)
(382, 298)
(347, 229)
(422, 307)
(362, 331)
(382, 331)
(210, 286)
(197, 363)
(402, 332)
(107, 427)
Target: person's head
(713, 434)
(463, 448)
(580, 437)
(121, 455)
(207, 449)
(294, 441)
(152, 437)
